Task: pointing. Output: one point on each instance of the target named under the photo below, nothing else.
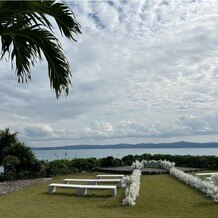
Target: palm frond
(6, 43)
(65, 19)
(26, 31)
(36, 11)
(27, 46)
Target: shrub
(110, 162)
(9, 176)
(209, 162)
(128, 160)
(59, 167)
(23, 153)
(10, 162)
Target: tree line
(20, 162)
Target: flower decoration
(132, 184)
(214, 179)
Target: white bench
(204, 174)
(82, 189)
(109, 176)
(95, 181)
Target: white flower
(128, 202)
(214, 179)
(158, 164)
(206, 187)
(127, 181)
(132, 184)
(137, 165)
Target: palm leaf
(27, 46)
(35, 11)
(26, 31)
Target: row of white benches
(204, 174)
(92, 184)
(207, 176)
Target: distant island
(132, 146)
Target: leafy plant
(10, 162)
(23, 153)
(7, 138)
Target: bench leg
(51, 189)
(81, 191)
(120, 184)
(66, 182)
(113, 192)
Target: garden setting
(159, 196)
(26, 181)
(130, 129)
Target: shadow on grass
(76, 196)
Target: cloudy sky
(143, 71)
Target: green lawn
(160, 196)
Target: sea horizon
(119, 152)
(178, 144)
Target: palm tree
(24, 154)
(6, 140)
(26, 33)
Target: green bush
(17, 158)
(61, 167)
(88, 164)
(208, 162)
(10, 162)
(128, 160)
(8, 176)
(23, 153)
(110, 162)
(58, 167)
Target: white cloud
(141, 69)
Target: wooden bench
(82, 189)
(109, 176)
(95, 181)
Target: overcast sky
(143, 71)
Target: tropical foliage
(6, 140)
(10, 162)
(26, 33)
(23, 153)
(17, 158)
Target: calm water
(119, 153)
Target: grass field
(160, 196)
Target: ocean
(119, 153)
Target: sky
(143, 71)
